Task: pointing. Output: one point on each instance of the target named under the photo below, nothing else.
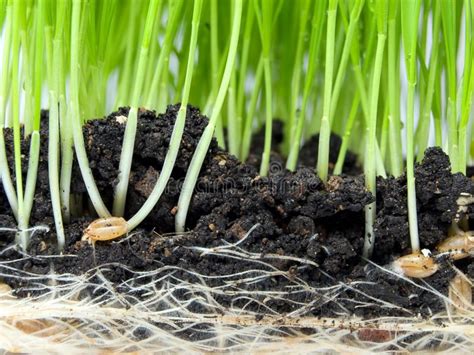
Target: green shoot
(177, 130)
(4, 95)
(163, 58)
(16, 25)
(214, 49)
(347, 133)
(53, 124)
(234, 123)
(381, 12)
(244, 60)
(351, 31)
(315, 40)
(34, 136)
(131, 127)
(425, 115)
(128, 62)
(296, 74)
(396, 156)
(467, 87)
(325, 130)
(448, 19)
(79, 145)
(65, 128)
(264, 11)
(410, 10)
(247, 133)
(203, 145)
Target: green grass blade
(6, 178)
(410, 10)
(79, 145)
(325, 130)
(128, 144)
(314, 47)
(178, 129)
(203, 145)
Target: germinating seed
(415, 265)
(105, 229)
(458, 246)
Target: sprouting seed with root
(458, 246)
(416, 265)
(421, 265)
(105, 229)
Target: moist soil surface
(289, 223)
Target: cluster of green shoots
(319, 66)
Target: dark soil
(291, 215)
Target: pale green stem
(364, 100)
(430, 89)
(6, 177)
(203, 145)
(64, 119)
(296, 73)
(163, 99)
(128, 144)
(247, 135)
(214, 49)
(53, 168)
(30, 186)
(79, 145)
(347, 134)
(268, 117)
(21, 239)
(233, 123)
(155, 45)
(242, 79)
(4, 169)
(316, 33)
(163, 58)
(178, 129)
(125, 78)
(34, 152)
(341, 72)
(325, 130)
(467, 88)
(38, 64)
(449, 28)
(396, 156)
(384, 134)
(412, 212)
(54, 71)
(410, 13)
(370, 163)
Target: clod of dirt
(437, 191)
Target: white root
(57, 320)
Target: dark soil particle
(289, 221)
